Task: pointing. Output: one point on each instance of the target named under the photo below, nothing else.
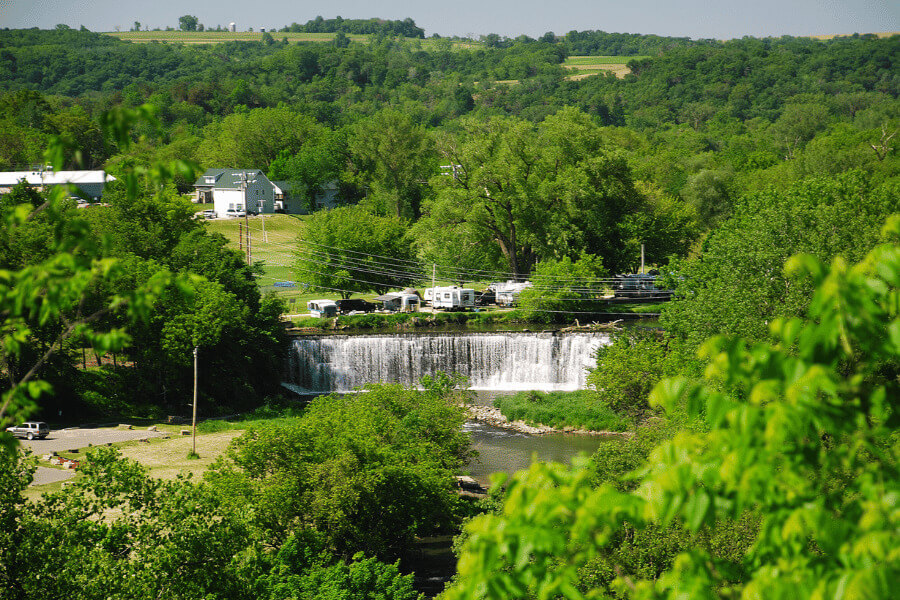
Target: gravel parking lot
(70, 439)
(63, 440)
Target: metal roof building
(91, 183)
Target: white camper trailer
(452, 297)
(508, 293)
(322, 308)
(399, 302)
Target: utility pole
(642, 258)
(194, 424)
(433, 292)
(244, 181)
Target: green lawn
(273, 241)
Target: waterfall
(491, 361)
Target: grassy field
(585, 66)
(219, 37)
(274, 246)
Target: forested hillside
(760, 176)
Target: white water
(491, 361)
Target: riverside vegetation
(761, 174)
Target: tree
(561, 288)
(348, 249)
(536, 192)
(254, 139)
(367, 472)
(187, 23)
(736, 285)
(806, 441)
(393, 156)
(49, 295)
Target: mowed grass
(273, 242)
(585, 66)
(166, 459)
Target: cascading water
(491, 361)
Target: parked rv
(451, 297)
(399, 302)
(508, 293)
(322, 308)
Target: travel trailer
(452, 297)
(508, 293)
(322, 308)
(399, 302)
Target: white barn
(89, 183)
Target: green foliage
(579, 409)
(628, 369)
(366, 471)
(44, 292)
(187, 23)
(807, 443)
(736, 286)
(117, 533)
(344, 250)
(535, 192)
(562, 286)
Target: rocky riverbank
(492, 416)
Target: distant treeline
(406, 28)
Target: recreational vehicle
(452, 297)
(508, 293)
(322, 308)
(399, 302)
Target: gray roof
(226, 178)
(11, 178)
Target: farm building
(236, 190)
(88, 183)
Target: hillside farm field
(220, 37)
(585, 66)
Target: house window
(209, 179)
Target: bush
(627, 370)
(580, 409)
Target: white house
(89, 183)
(236, 190)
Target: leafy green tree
(562, 287)
(537, 193)
(736, 285)
(393, 156)
(348, 249)
(44, 301)
(254, 139)
(187, 23)
(807, 441)
(627, 370)
(368, 472)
